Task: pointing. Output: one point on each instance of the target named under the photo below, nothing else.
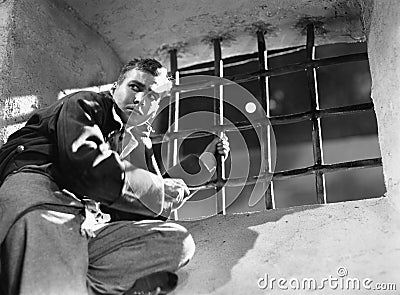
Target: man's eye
(135, 88)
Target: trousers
(43, 251)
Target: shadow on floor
(233, 238)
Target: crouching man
(57, 169)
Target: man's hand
(176, 192)
(219, 144)
(143, 130)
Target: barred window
(318, 101)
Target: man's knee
(184, 240)
(189, 248)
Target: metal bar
(176, 123)
(324, 113)
(262, 66)
(297, 67)
(173, 61)
(176, 128)
(281, 175)
(171, 107)
(366, 163)
(219, 115)
(276, 120)
(316, 122)
(173, 116)
(265, 130)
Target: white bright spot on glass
(250, 107)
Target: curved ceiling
(153, 27)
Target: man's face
(135, 97)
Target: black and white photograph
(208, 147)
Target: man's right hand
(176, 192)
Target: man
(53, 173)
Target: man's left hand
(220, 144)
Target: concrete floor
(235, 251)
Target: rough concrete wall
(233, 252)
(152, 27)
(5, 52)
(366, 8)
(45, 48)
(384, 57)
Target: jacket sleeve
(90, 168)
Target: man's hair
(148, 65)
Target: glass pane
(203, 203)
(347, 125)
(344, 84)
(338, 49)
(206, 71)
(287, 59)
(240, 203)
(243, 67)
(294, 146)
(289, 94)
(351, 149)
(355, 184)
(295, 191)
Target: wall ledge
(235, 251)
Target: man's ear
(113, 87)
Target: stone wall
(45, 48)
(384, 57)
(152, 27)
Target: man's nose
(138, 98)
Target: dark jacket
(71, 138)
(73, 141)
